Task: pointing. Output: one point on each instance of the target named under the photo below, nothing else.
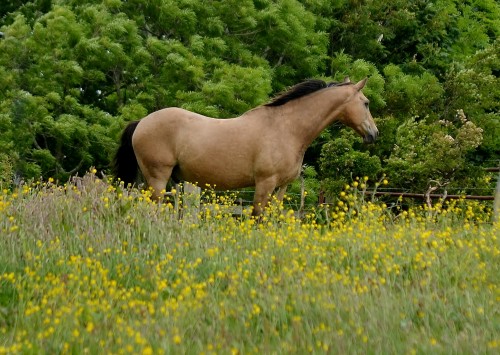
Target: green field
(89, 268)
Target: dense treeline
(73, 72)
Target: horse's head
(356, 113)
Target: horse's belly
(213, 175)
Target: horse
(264, 147)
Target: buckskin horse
(264, 147)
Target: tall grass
(93, 268)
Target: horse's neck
(308, 116)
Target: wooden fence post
(302, 195)
(191, 199)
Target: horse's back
(167, 118)
(165, 126)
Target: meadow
(90, 267)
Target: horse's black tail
(125, 162)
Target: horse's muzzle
(370, 137)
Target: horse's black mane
(302, 89)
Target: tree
(417, 35)
(341, 163)
(52, 124)
(73, 72)
(434, 152)
(474, 86)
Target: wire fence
(244, 198)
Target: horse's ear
(346, 80)
(361, 84)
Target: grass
(91, 268)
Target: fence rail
(423, 196)
(196, 191)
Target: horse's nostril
(370, 138)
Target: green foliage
(434, 152)
(308, 185)
(72, 73)
(340, 163)
(6, 168)
(359, 69)
(408, 94)
(417, 35)
(237, 89)
(474, 86)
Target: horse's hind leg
(158, 185)
(157, 178)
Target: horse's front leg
(263, 189)
(280, 194)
